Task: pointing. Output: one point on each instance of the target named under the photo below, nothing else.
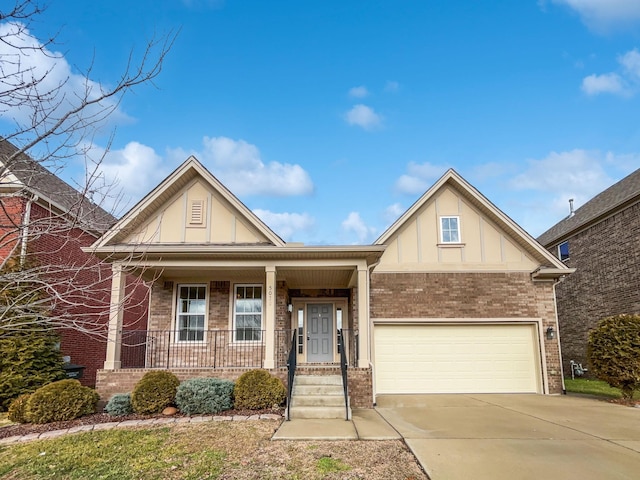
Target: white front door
(320, 333)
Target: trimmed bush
(59, 401)
(204, 395)
(257, 389)
(154, 392)
(18, 409)
(613, 351)
(119, 404)
(28, 361)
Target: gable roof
(179, 178)
(22, 173)
(615, 198)
(479, 201)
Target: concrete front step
(317, 390)
(318, 380)
(318, 396)
(319, 412)
(317, 401)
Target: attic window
(450, 229)
(196, 213)
(563, 251)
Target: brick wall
(606, 282)
(11, 212)
(110, 382)
(80, 286)
(469, 295)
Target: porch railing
(343, 370)
(291, 371)
(197, 349)
(216, 348)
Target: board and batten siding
(483, 246)
(173, 222)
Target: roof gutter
(547, 273)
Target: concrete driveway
(517, 436)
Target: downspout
(373, 376)
(555, 307)
(25, 230)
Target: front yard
(211, 450)
(594, 387)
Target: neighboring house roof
(551, 264)
(23, 173)
(615, 198)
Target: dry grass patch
(211, 450)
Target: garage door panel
(456, 358)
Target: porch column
(116, 311)
(364, 351)
(270, 318)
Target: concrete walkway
(365, 425)
(517, 436)
(134, 423)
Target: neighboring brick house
(453, 298)
(601, 240)
(45, 223)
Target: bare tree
(53, 116)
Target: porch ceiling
(294, 277)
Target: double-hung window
(191, 312)
(450, 229)
(247, 313)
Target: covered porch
(226, 311)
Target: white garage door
(456, 359)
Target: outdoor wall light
(551, 333)
(289, 308)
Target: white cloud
(393, 212)
(419, 177)
(631, 63)
(25, 60)
(363, 116)
(354, 224)
(137, 168)
(624, 83)
(606, 83)
(391, 86)
(551, 181)
(239, 165)
(601, 15)
(359, 92)
(287, 225)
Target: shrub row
(254, 390)
(68, 399)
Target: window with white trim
(247, 313)
(450, 229)
(190, 312)
(563, 251)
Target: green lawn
(594, 387)
(210, 450)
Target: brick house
(454, 297)
(601, 240)
(44, 224)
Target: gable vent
(196, 213)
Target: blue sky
(330, 118)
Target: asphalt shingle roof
(623, 193)
(42, 182)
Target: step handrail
(291, 370)
(343, 369)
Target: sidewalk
(365, 425)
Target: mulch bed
(26, 428)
